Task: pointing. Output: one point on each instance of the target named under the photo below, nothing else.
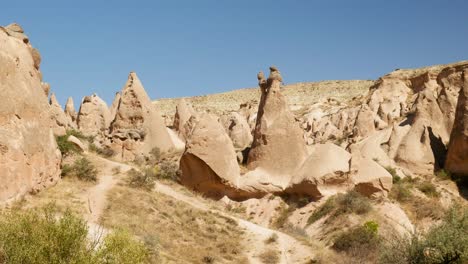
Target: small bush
(443, 174)
(66, 147)
(145, 180)
(120, 247)
(168, 171)
(45, 237)
(350, 202)
(322, 211)
(394, 174)
(270, 256)
(428, 189)
(401, 190)
(82, 168)
(272, 239)
(427, 208)
(85, 170)
(444, 243)
(363, 239)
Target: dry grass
(297, 94)
(270, 256)
(179, 232)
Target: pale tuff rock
(276, 133)
(323, 173)
(46, 88)
(29, 157)
(183, 113)
(94, 116)
(238, 130)
(137, 127)
(115, 105)
(364, 125)
(368, 177)
(70, 109)
(77, 142)
(457, 156)
(209, 162)
(57, 115)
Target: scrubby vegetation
(428, 189)
(46, 237)
(82, 169)
(162, 223)
(360, 241)
(350, 202)
(66, 147)
(444, 243)
(143, 180)
(270, 256)
(105, 151)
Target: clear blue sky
(195, 47)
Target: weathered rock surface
(457, 156)
(29, 157)
(278, 147)
(323, 173)
(369, 178)
(94, 116)
(183, 113)
(238, 130)
(209, 162)
(77, 142)
(137, 127)
(70, 110)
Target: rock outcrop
(209, 162)
(323, 173)
(238, 130)
(184, 112)
(94, 116)
(457, 156)
(29, 157)
(278, 147)
(70, 110)
(137, 127)
(61, 121)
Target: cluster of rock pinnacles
(408, 121)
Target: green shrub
(168, 171)
(82, 168)
(142, 180)
(400, 192)
(394, 174)
(66, 147)
(444, 243)
(340, 204)
(45, 237)
(322, 211)
(119, 247)
(443, 174)
(428, 189)
(362, 239)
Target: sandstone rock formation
(137, 127)
(29, 157)
(368, 177)
(70, 110)
(238, 130)
(209, 162)
(278, 147)
(63, 122)
(115, 105)
(324, 172)
(94, 116)
(457, 156)
(183, 113)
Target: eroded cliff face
(29, 157)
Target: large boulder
(457, 156)
(209, 162)
(57, 114)
(137, 127)
(368, 177)
(323, 173)
(278, 146)
(94, 116)
(29, 157)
